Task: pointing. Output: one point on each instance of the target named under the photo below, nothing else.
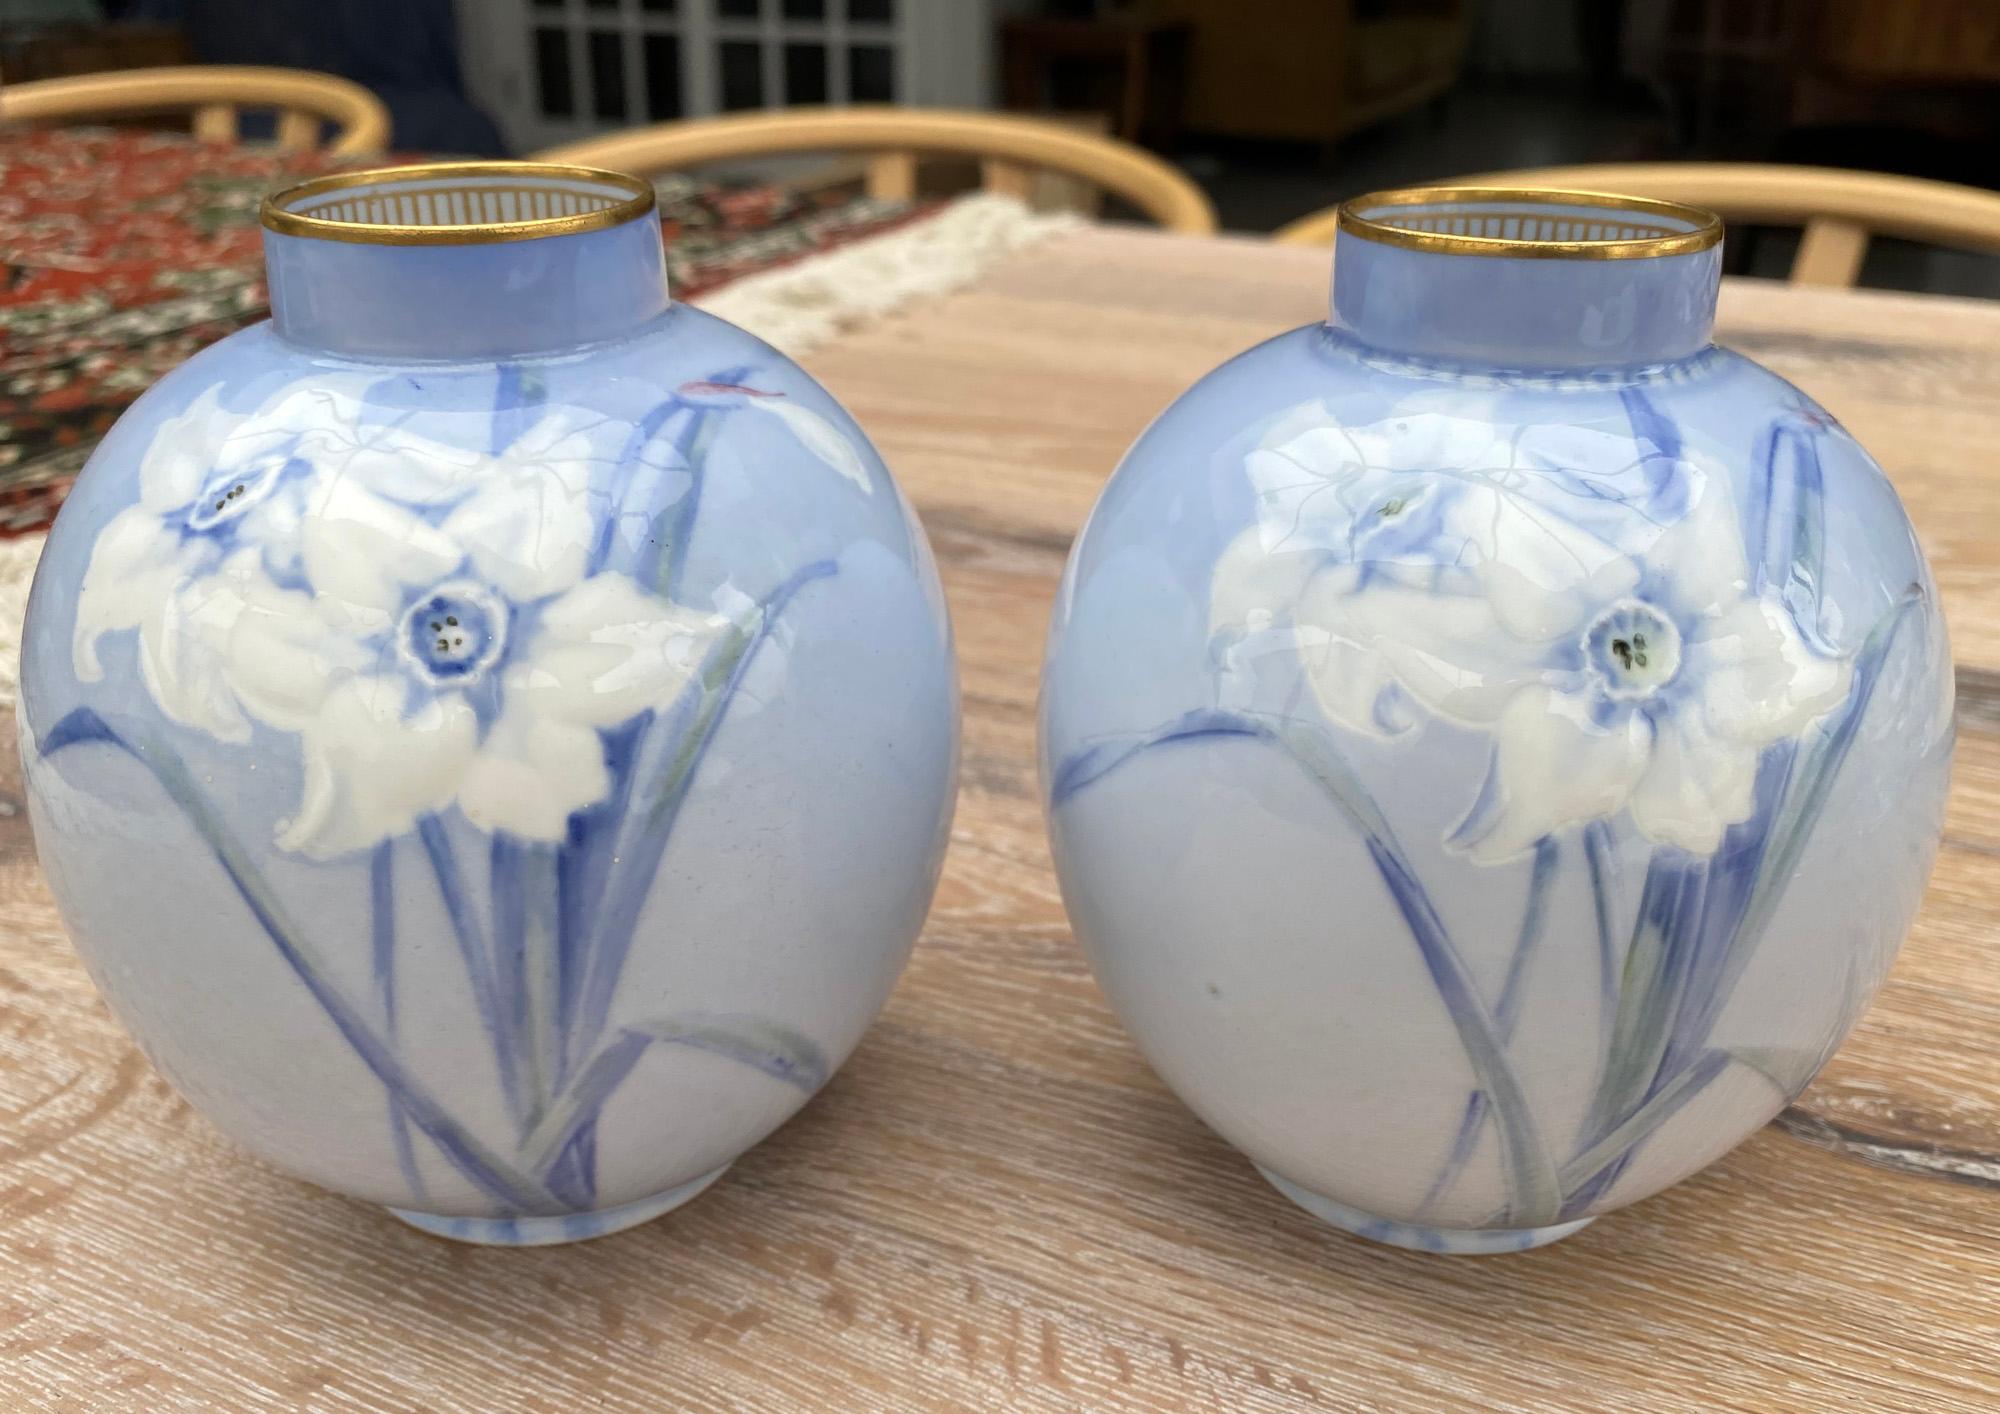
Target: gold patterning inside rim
(1506, 221)
(457, 203)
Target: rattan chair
(1010, 150)
(1839, 209)
(214, 94)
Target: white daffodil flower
(1592, 612)
(423, 616)
(216, 488)
(470, 660)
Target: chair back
(1839, 209)
(214, 94)
(1010, 149)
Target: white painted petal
(1542, 572)
(1696, 785)
(1755, 677)
(571, 440)
(251, 444)
(531, 773)
(528, 530)
(285, 654)
(1296, 421)
(135, 564)
(1414, 440)
(1448, 649)
(1255, 585)
(373, 766)
(326, 404)
(362, 550)
(820, 437)
(1261, 611)
(183, 449)
(1350, 681)
(183, 654)
(329, 426)
(1705, 556)
(1552, 767)
(1298, 507)
(396, 464)
(607, 650)
(1319, 484)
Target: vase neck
(463, 262)
(1525, 279)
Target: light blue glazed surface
(1490, 793)
(492, 785)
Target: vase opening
(463, 261)
(1517, 278)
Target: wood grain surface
(996, 1204)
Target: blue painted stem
(1473, 1120)
(682, 526)
(583, 867)
(776, 1051)
(1531, 1179)
(1590, 1174)
(1600, 856)
(519, 394)
(574, 1173)
(1733, 874)
(1650, 985)
(1705, 950)
(494, 1008)
(638, 490)
(382, 959)
(485, 1170)
(1796, 794)
(655, 807)
(526, 963)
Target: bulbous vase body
(491, 732)
(1494, 742)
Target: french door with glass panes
(553, 70)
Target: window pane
(874, 12)
(742, 74)
(871, 73)
(663, 76)
(552, 73)
(805, 73)
(736, 9)
(805, 9)
(607, 74)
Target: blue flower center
(1634, 650)
(229, 493)
(453, 634)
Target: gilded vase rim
(407, 181)
(1620, 240)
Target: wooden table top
(996, 1202)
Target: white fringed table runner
(796, 307)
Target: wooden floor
(996, 1203)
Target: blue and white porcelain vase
(491, 731)
(1495, 741)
